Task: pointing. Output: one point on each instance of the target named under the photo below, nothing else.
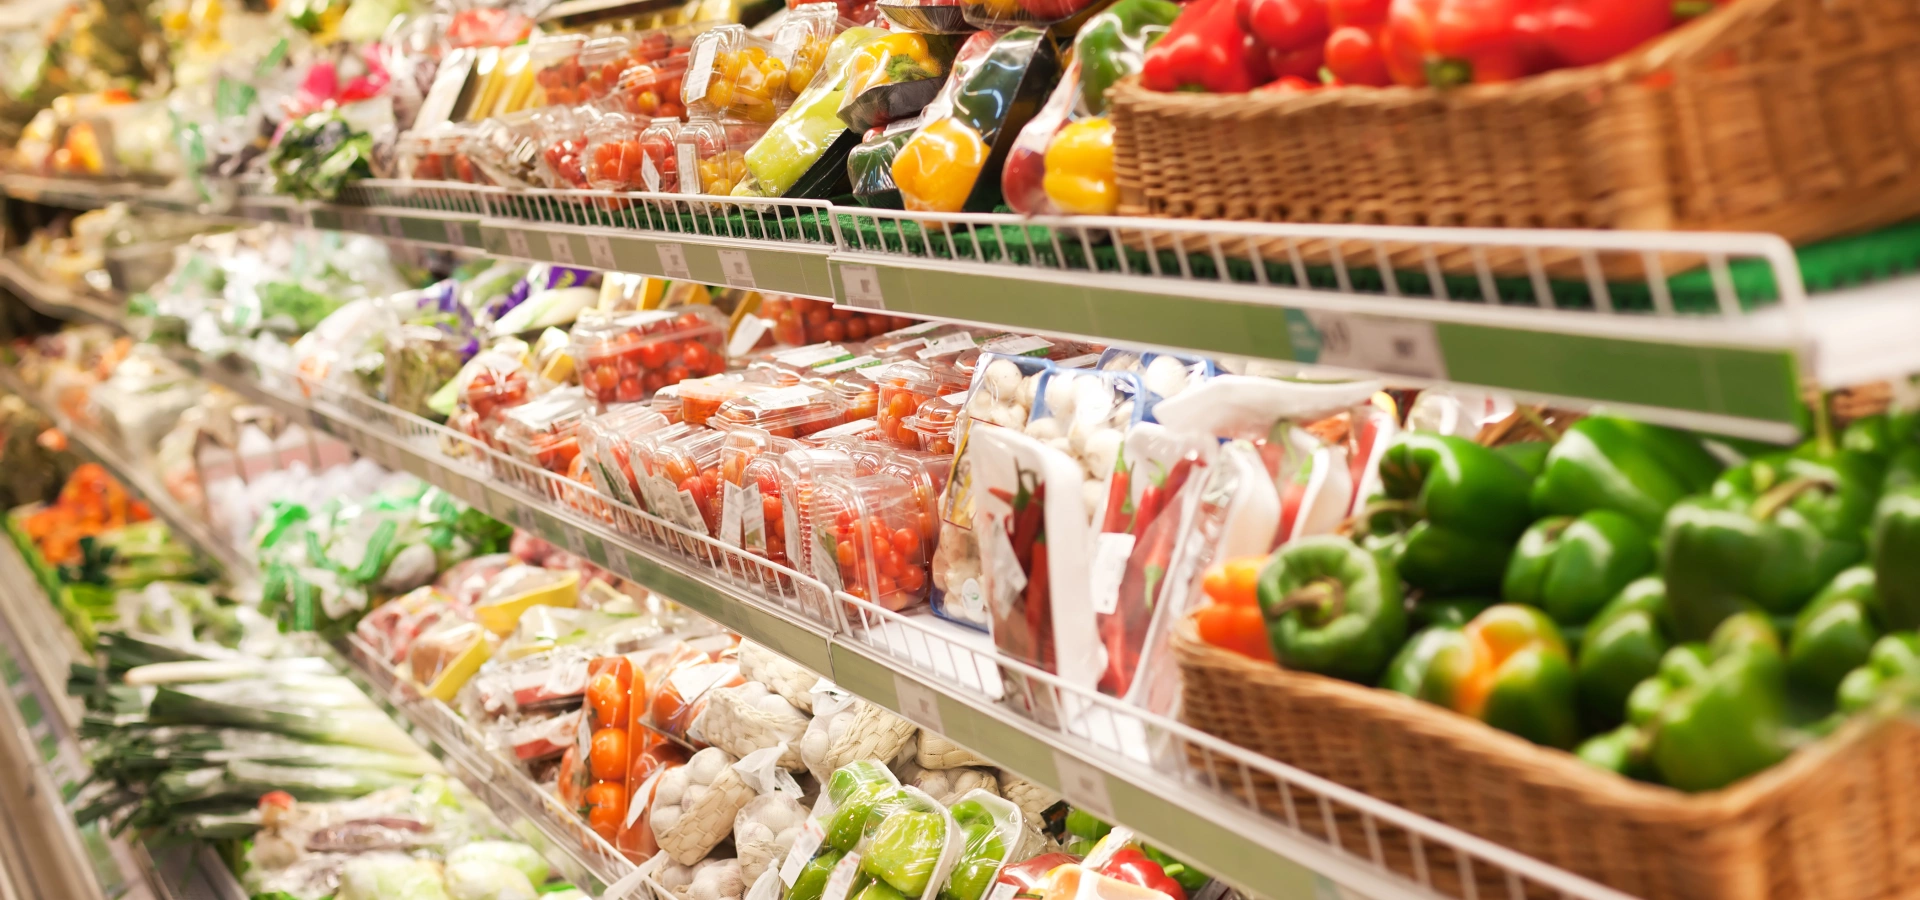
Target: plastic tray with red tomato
(494, 388)
(700, 398)
(794, 411)
(558, 76)
(607, 441)
(869, 539)
(743, 508)
(627, 357)
(563, 141)
(797, 475)
(544, 431)
(801, 320)
(903, 387)
(686, 491)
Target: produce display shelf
(1711, 331)
(84, 193)
(1186, 790)
(530, 812)
(41, 720)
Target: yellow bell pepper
(1079, 163)
(936, 170)
(894, 59)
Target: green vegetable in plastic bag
(813, 878)
(989, 827)
(904, 848)
(879, 890)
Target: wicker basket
(1796, 117)
(1837, 821)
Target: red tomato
(834, 331)
(857, 330)
(607, 761)
(629, 390)
(696, 356)
(607, 699)
(606, 808)
(654, 355)
(676, 374)
(905, 542)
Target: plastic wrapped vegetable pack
(954, 161)
(802, 153)
(894, 78)
(870, 165)
(990, 829)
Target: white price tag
(1083, 785)
(517, 244)
(840, 880)
(862, 287)
(804, 846)
(736, 269)
(918, 703)
(673, 261)
(600, 251)
(1371, 343)
(561, 247)
(456, 235)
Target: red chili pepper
(1447, 43)
(1038, 604)
(1119, 491)
(1205, 50)
(1284, 24)
(1133, 867)
(1587, 32)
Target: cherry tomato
(906, 542)
(834, 331)
(629, 389)
(654, 355)
(696, 356)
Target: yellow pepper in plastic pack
(808, 129)
(1080, 177)
(936, 170)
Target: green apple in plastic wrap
(812, 881)
(854, 789)
(797, 139)
(983, 850)
(904, 849)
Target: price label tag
(594, 549)
(395, 228)
(1408, 347)
(736, 269)
(524, 518)
(300, 217)
(561, 247)
(673, 261)
(517, 244)
(862, 287)
(1083, 785)
(918, 703)
(600, 251)
(456, 233)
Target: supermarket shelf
(1184, 789)
(60, 858)
(523, 806)
(79, 193)
(59, 302)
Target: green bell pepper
(1622, 750)
(1571, 566)
(1772, 533)
(1882, 436)
(1456, 612)
(1723, 714)
(1895, 656)
(982, 852)
(1407, 673)
(1332, 608)
(1460, 507)
(1629, 467)
(812, 881)
(856, 789)
(1622, 647)
(1114, 43)
(1530, 456)
(904, 849)
(1834, 633)
(1085, 825)
(1509, 669)
(878, 890)
(1894, 541)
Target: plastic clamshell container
(787, 412)
(934, 423)
(660, 167)
(735, 74)
(502, 614)
(542, 431)
(687, 483)
(507, 150)
(614, 157)
(604, 60)
(651, 89)
(867, 539)
(607, 441)
(496, 388)
(903, 387)
(799, 472)
(856, 431)
(701, 398)
(563, 146)
(716, 151)
(627, 357)
(558, 76)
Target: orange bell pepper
(1233, 621)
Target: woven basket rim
(1601, 786)
(1700, 34)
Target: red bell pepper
(1284, 24)
(1446, 43)
(1298, 63)
(1353, 52)
(1205, 50)
(1133, 867)
(1586, 32)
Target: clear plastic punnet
(715, 150)
(787, 412)
(869, 539)
(903, 387)
(735, 74)
(628, 356)
(558, 76)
